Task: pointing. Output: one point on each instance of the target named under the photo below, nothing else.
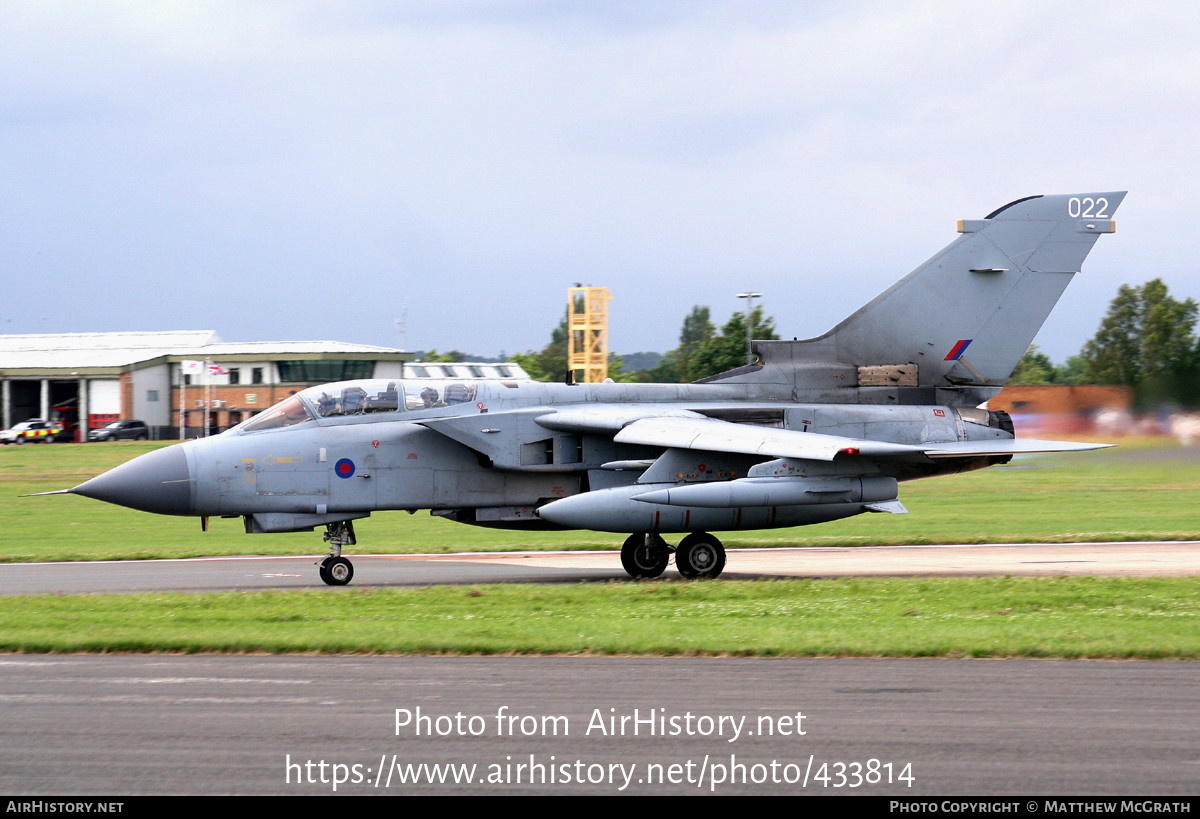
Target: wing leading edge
(710, 434)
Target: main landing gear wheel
(336, 571)
(700, 555)
(645, 555)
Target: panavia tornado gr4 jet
(816, 430)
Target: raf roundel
(344, 468)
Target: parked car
(35, 429)
(121, 431)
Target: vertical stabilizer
(965, 317)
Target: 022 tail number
(1087, 208)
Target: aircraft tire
(644, 561)
(700, 556)
(336, 571)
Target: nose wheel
(336, 570)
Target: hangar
(102, 377)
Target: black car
(121, 431)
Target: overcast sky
(436, 174)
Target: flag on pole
(216, 369)
(191, 367)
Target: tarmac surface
(226, 573)
(123, 725)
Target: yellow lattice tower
(587, 333)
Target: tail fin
(965, 317)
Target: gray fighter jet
(816, 430)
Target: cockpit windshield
(365, 397)
(284, 414)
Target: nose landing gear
(336, 570)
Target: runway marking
(188, 680)
(148, 698)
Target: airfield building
(189, 380)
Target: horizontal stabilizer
(1014, 446)
(892, 507)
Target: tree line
(703, 350)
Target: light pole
(749, 297)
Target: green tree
(616, 367)
(641, 361)
(1147, 342)
(529, 363)
(727, 350)
(666, 372)
(551, 362)
(697, 330)
(1074, 371)
(450, 356)
(1035, 369)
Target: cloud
(308, 169)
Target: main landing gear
(645, 555)
(336, 570)
(699, 555)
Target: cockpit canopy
(358, 398)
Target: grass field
(1144, 489)
(923, 617)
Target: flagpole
(207, 395)
(182, 402)
(188, 368)
(183, 405)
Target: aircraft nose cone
(158, 481)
